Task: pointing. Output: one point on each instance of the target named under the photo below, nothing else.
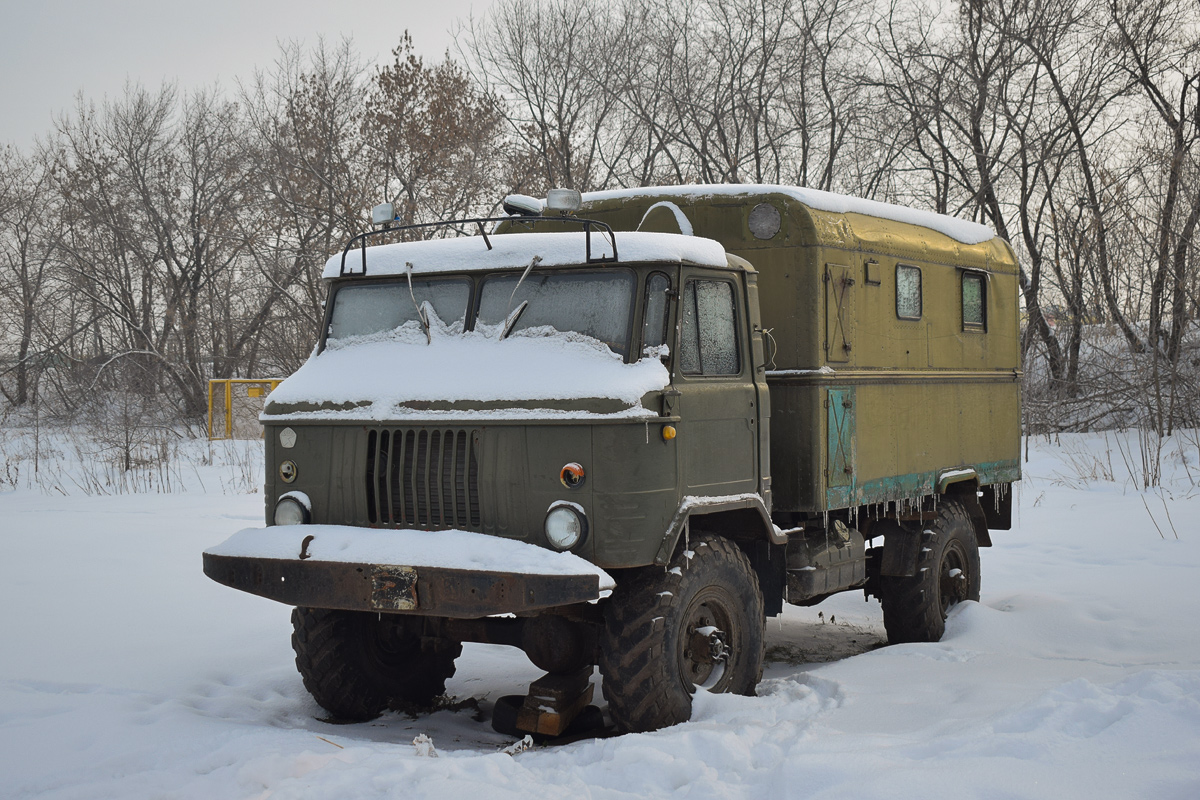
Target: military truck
(621, 430)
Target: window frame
(631, 324)
(338, 285)
(667, 304)
(737, 349)
(981, 326)
(920, 292)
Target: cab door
(714, 377)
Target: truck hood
(394, 376)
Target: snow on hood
(516, 250)
(382, 374)
(958, 229)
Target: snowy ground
(124, 672)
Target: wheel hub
(953, 585)
(708, 645)
(705, 653)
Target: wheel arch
(738, 517)
(902, 541)
(745, 521)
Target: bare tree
(153, 187)
(553, 63)
(721, 67)
(433, 139)
(823, 91)
(311, 173)
(28, 236)
(1161, 54)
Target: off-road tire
(915, 608)
(647, 639)
(356, 664)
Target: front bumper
(398, 571)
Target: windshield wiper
(422, 317)
(510, 318)
(511, 321)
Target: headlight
(292, 510)
(566, 525)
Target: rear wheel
(356, 664)
(699, 624)
(947, 573)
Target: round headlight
(565, 526)
(290, 511)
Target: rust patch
(394, 588)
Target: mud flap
(769, 562)
(901, 546)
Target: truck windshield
(379, 307)
(595, 304)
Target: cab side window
(709, 329)
(974, 301)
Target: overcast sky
(52, 49)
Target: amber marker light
(571, 475)
(668, 432)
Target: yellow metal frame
(226, 385)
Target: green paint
(917, 484)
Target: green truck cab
(620, 430)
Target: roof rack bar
(483, 233)
(587, 225)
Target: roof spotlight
(383, 214)
(563, 201)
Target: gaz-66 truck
(621, 430)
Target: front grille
(423, 478)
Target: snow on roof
(958, 229)
(516, 250)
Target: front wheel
(947, 573)
(356, 664)
(699, 624)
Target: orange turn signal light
(571, 475)
(668, 432)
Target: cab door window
(709, 343)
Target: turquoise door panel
(840, 469)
